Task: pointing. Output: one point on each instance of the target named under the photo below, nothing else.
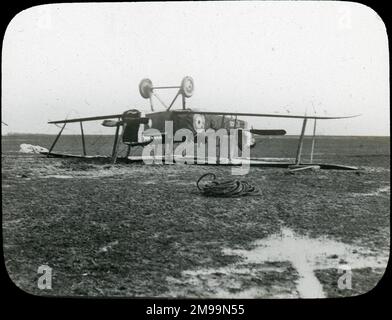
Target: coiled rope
(227, 188)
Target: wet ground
(137, 230)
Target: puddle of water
(92, 173)
(233, 281)
(375, 169)
(147, 182)
(58, 176)
(304, 254)
(383, 191)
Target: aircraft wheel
(187, 87)
(145, 88)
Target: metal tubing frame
(151, 105)
(55, 140)
(175, 98)
(171, 104)
(183, 101)
(159, 99)
(167, 87)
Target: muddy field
(146, 231)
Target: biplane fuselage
(196, 123)
(193, 122)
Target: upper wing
(271, 115)
(112, 116)
(244, 114)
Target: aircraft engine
(132, 121)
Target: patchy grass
(124, 230)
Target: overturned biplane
(131, 122)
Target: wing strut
(55, 140)
(301, 140)
(115, 144)
(313, 138)
(83, 142)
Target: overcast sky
(74, 60)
